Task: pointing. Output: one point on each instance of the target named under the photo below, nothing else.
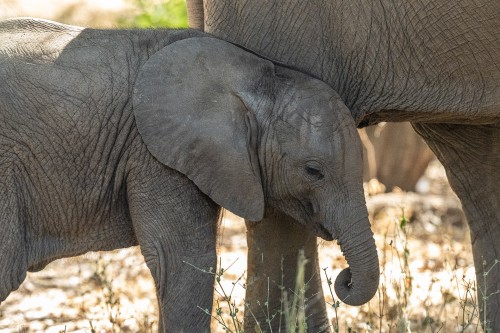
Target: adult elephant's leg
(273, 248)
(195, 14)
(471, 156)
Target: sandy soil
(433, 290)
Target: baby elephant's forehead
(315, 119)
(312, 130)
(318, 107)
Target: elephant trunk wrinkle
(358, 283)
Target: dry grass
(427, 283)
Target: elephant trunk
(358, 283)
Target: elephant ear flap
(190, 104)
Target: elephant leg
(273, 248)
(13, 257)
(175, 226)
(471, 157)
(195, 14)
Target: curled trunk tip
(358, 283)
(355, 293)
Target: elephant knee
(156, 261)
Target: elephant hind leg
(13, 256)
(471, 157)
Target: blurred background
(101, 14)
(427, 280)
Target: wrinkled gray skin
(434, 63)
(113, 138)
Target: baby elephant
(115, 138)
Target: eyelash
(314, 172)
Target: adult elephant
(435, 63)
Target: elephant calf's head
(251, 134)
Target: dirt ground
(427, 282)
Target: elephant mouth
(322, 232)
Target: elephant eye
(314, 172)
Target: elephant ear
(192, 103)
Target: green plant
(468, 306)
(226, 311)
(227, 318)
(92, 329)
(157, 14)
(484, 296)
(295, 313)
(334, 304)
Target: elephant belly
(46, 248)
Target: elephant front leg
(177, 236)
(471, 156)
(273, 248)
(183, 290)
